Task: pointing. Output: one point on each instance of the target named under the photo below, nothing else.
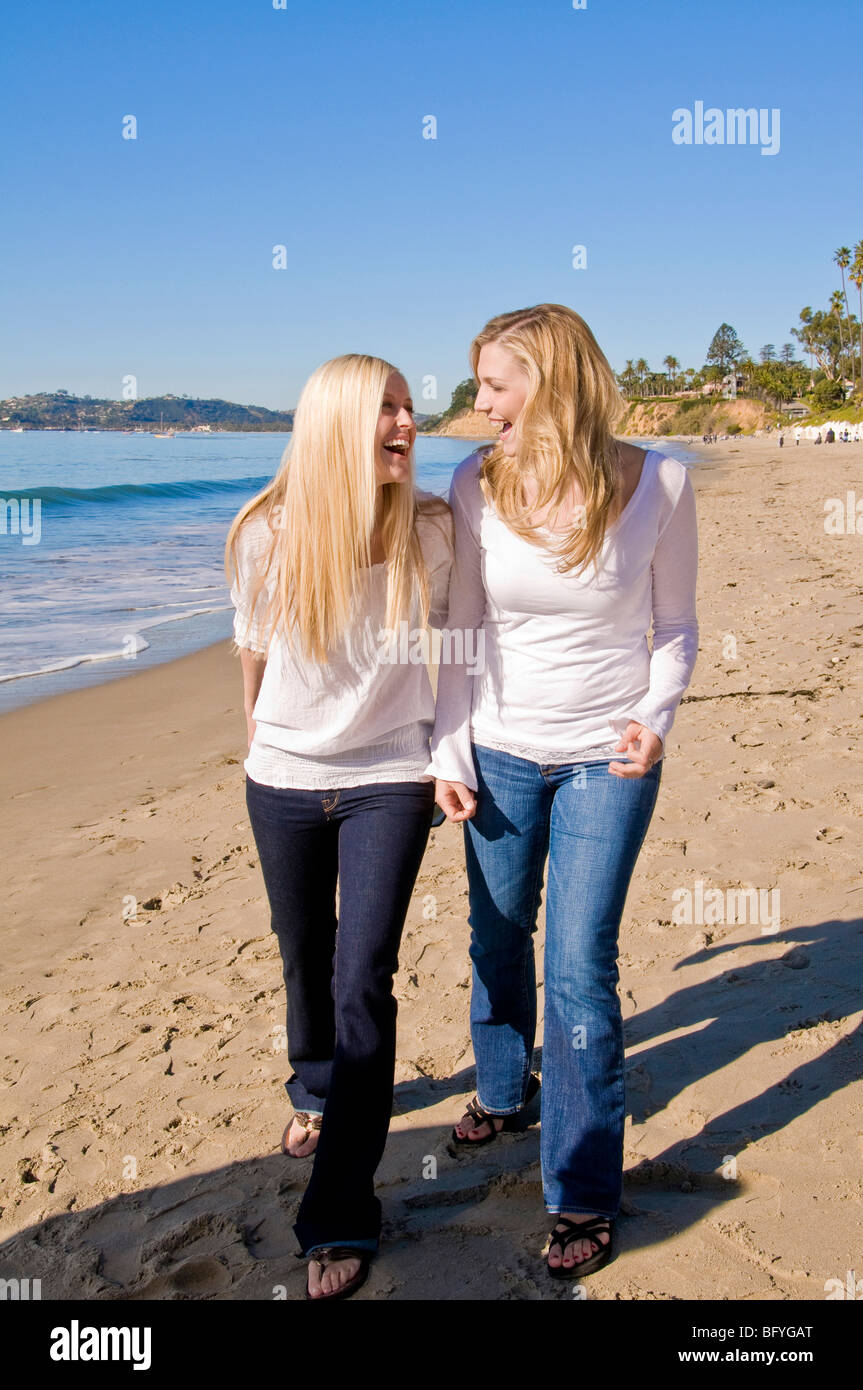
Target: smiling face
(503, 387)
(395, 433)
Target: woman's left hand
(642, 747)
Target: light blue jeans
(589, 825)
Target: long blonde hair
(320, 508)
(565, 429)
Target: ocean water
(111, 547)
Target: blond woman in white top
(328, 563)
(570, 545)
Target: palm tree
(842, 257)
(745, 368)
(673, 365)
(836, 308)
(856, 274)
(641, 369)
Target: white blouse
(566, 663)
(364, 717)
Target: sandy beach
(143, 1042)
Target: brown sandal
(327, 1255)
(310, 1123)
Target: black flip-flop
(580, 1230)
(512, 1124)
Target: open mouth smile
(400, 447)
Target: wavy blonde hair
(565, 429)
(320, 508)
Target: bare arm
(253, 665)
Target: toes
(578, 1250)
(325, 1280)
(341, 1273)
(300, 1143)
(483, 1130)
(590, 1245)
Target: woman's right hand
(457, 801)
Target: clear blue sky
(303, 126)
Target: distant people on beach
(552, 752)
(829, 433)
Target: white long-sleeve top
(366, 715)
(562, 661)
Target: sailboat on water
(161, 432)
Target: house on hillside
(728, 386)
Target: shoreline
(167, 640)
(88, 673)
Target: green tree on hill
(828, 394)
(464, 395)
(725, 349)
(819, 334)
(463, 398)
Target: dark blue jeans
(589, 826)
(338, 972)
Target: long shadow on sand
(226, 1234)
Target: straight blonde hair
(565, 429)
(320, 508)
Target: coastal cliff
(644, 419)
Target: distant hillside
(697, 415)
(466, 424)
(643, 419)
(59, 410)
(459, 418)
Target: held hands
(457, 801)
(642, 746)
